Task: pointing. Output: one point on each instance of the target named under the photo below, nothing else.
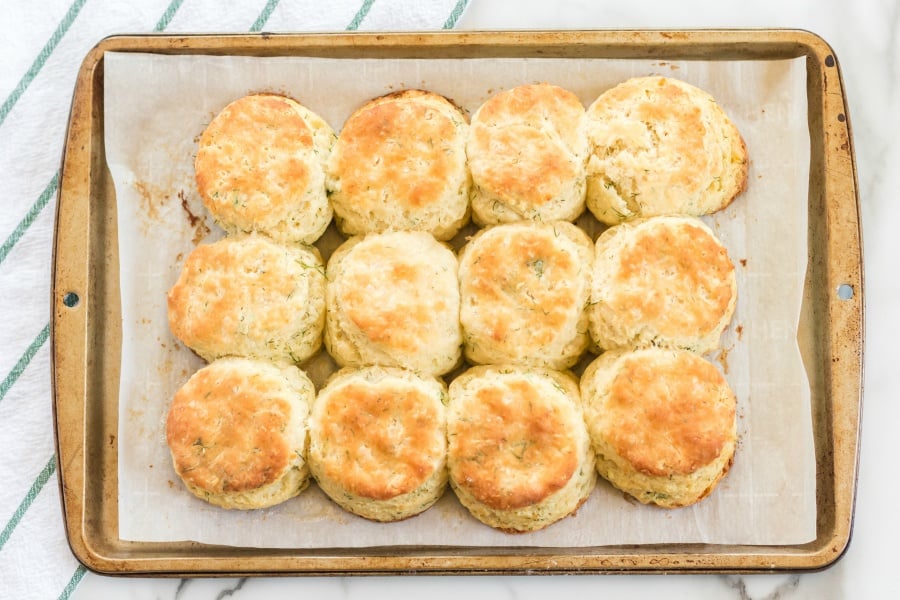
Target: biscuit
(524, 288)
(260, 167)
(662, 423)
(247, 296)
(399, 163)
(527, 150)
(661, 146)
(519, 454)
(378, 444)
(662, 281)
(393, 300)
(237, 433)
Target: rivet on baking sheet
(71, 299)
(845, 291)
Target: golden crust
(248, 296)
(260, 167)
(393, 300)
(523, 292)
(399, 163)
(378, 435)
(662, 423)
(518, 452)
(663, 281)
(660, 440)
(661, 146)
(237, 429)
(527, 151)
(508, 429)
(536, 105)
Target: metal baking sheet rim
(86, 337)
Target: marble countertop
(866, 38)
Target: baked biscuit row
(533, 294)
(411, 161)
(521, 447)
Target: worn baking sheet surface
(86, 339)
(156, 107)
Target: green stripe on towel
(360, 15)
(263, 17)
(457, 12)
(36, 488)
(38, 63)
(24, 361)
(167, 16)
(30, 216)
(73, 583)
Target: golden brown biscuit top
(254, 156)
(390, 295)
(520, 282)
(657, 136)
(245, 286)
(402, 148)
(226, 432)
(535, 105)
(379, 442)
(692, 273)
(521, 165)
(511, 445)
(526, 144)
(663, 119)
(669, 417)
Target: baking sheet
(156, 106)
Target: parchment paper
(157, 106)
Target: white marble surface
(866, 39)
